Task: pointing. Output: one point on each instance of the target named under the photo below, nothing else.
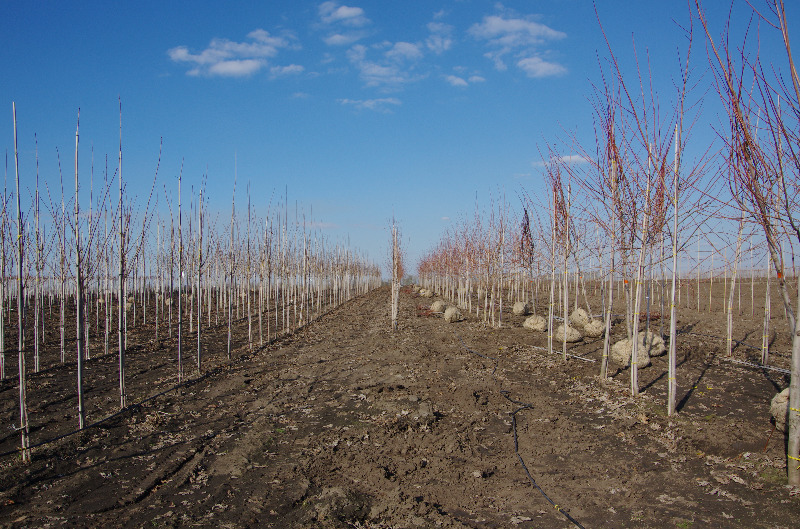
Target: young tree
(765, 168)
(23, 381)
(397, 272)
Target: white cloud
(462, 80)
(394, 70)
(440, 40)
(264, 37)
(342, 39)
(357, 53)
(537, 67)
(379, 75)
(404, 51)
(236, 68)
(569, 159)
(521, 37)
(379, 105)
(342, 22)
(283, 71)
(497, 58)
(514, 32)
(332, 13)
(455, 80)
(224, 57)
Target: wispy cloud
(574, 159)
(538, 67)
(344, 24)
(403, 51)
(235, 68)
(378, 105)
(229, 58)
(520, 37)
(392, 70)
(284, 71)
(463, 81)
(343, 39)
(569, 159)
(455, 80)
(440, 39)
(332, 12)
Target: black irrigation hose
(749, 364)
(737, 342)
(522, 406)
(495, 360)
(185, 383)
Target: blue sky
(361, 109)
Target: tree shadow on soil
(706, 364)
(665, 373)
(49, 473)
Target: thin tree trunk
(733, 286)
(180, 282)
(672, 385)
(767, 316)
(23, 382)
(609, 308)
(79, 292)
(199, 278)
(121, 280)
(231, 291)
(37, 289)
(637, 299)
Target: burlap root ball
(438, 306)
(520, 308)
(535, 323)
(594, 329)
(573, 334)
(654, 342)
(579, 318)
(779, 409)
(622, 350)
(452, 314)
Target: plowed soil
(348, 424)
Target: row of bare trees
(137, 265)
(638, 201)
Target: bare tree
(764, 161)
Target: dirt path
(348, 425)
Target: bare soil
(347, 424)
